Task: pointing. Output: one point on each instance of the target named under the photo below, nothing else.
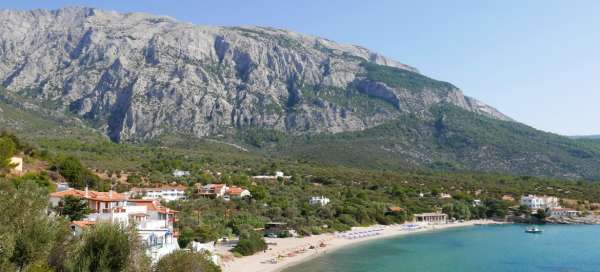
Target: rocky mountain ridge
(136, 76)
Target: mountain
(136, 77)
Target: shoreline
(291, 248)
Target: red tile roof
(153, 205)
(91, 195)
(236, 191)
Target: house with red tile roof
(98, 201)
(223, 191)
(237, 192)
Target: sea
(499, 248)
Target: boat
(533, 230)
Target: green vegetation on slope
(451, 139)
(403, 79)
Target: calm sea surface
(560, 248)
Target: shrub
(188, 261)
(250, 243)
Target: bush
(250, 243)
(109, 247)
(188, 261)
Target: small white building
(207, 247)
(180, 173)
(278, 174)
(434, 218)
(534, 202)
(445, 195)
(563, 212)
(166, 193)
(476, 202)
(319, 200)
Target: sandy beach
(286, 252)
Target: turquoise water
(560, 248)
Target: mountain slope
(455, 140)
(136, 76)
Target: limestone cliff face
(136, 76)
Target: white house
(319, 200)
(534, 202)
(106, 206)
(434, 218)
(207, 247)
(278, 174)
(212, 190)
(180, 173)
(154, 223)
(223, 191)
(563, 212)
(476, 202)
(166, 192)
(445, 195)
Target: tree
(186, 261)
(541, 214)
(186, 236)
(27, 234)
(105, 247)
(74, 208)
(250, 243)
(458, 210)
(523, 210)
(7, 150)
(77, 175)
(207, 233)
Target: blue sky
(537, 61)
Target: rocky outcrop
(136, 76)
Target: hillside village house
(166, 192)
(534, 202)
(278, 174)
(445, 195)
(222, 191)
(106, 206)
(180, 173)
(154, 223)
(319, 200)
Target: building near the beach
(563, 212)
(534, 202)
(431, 217)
